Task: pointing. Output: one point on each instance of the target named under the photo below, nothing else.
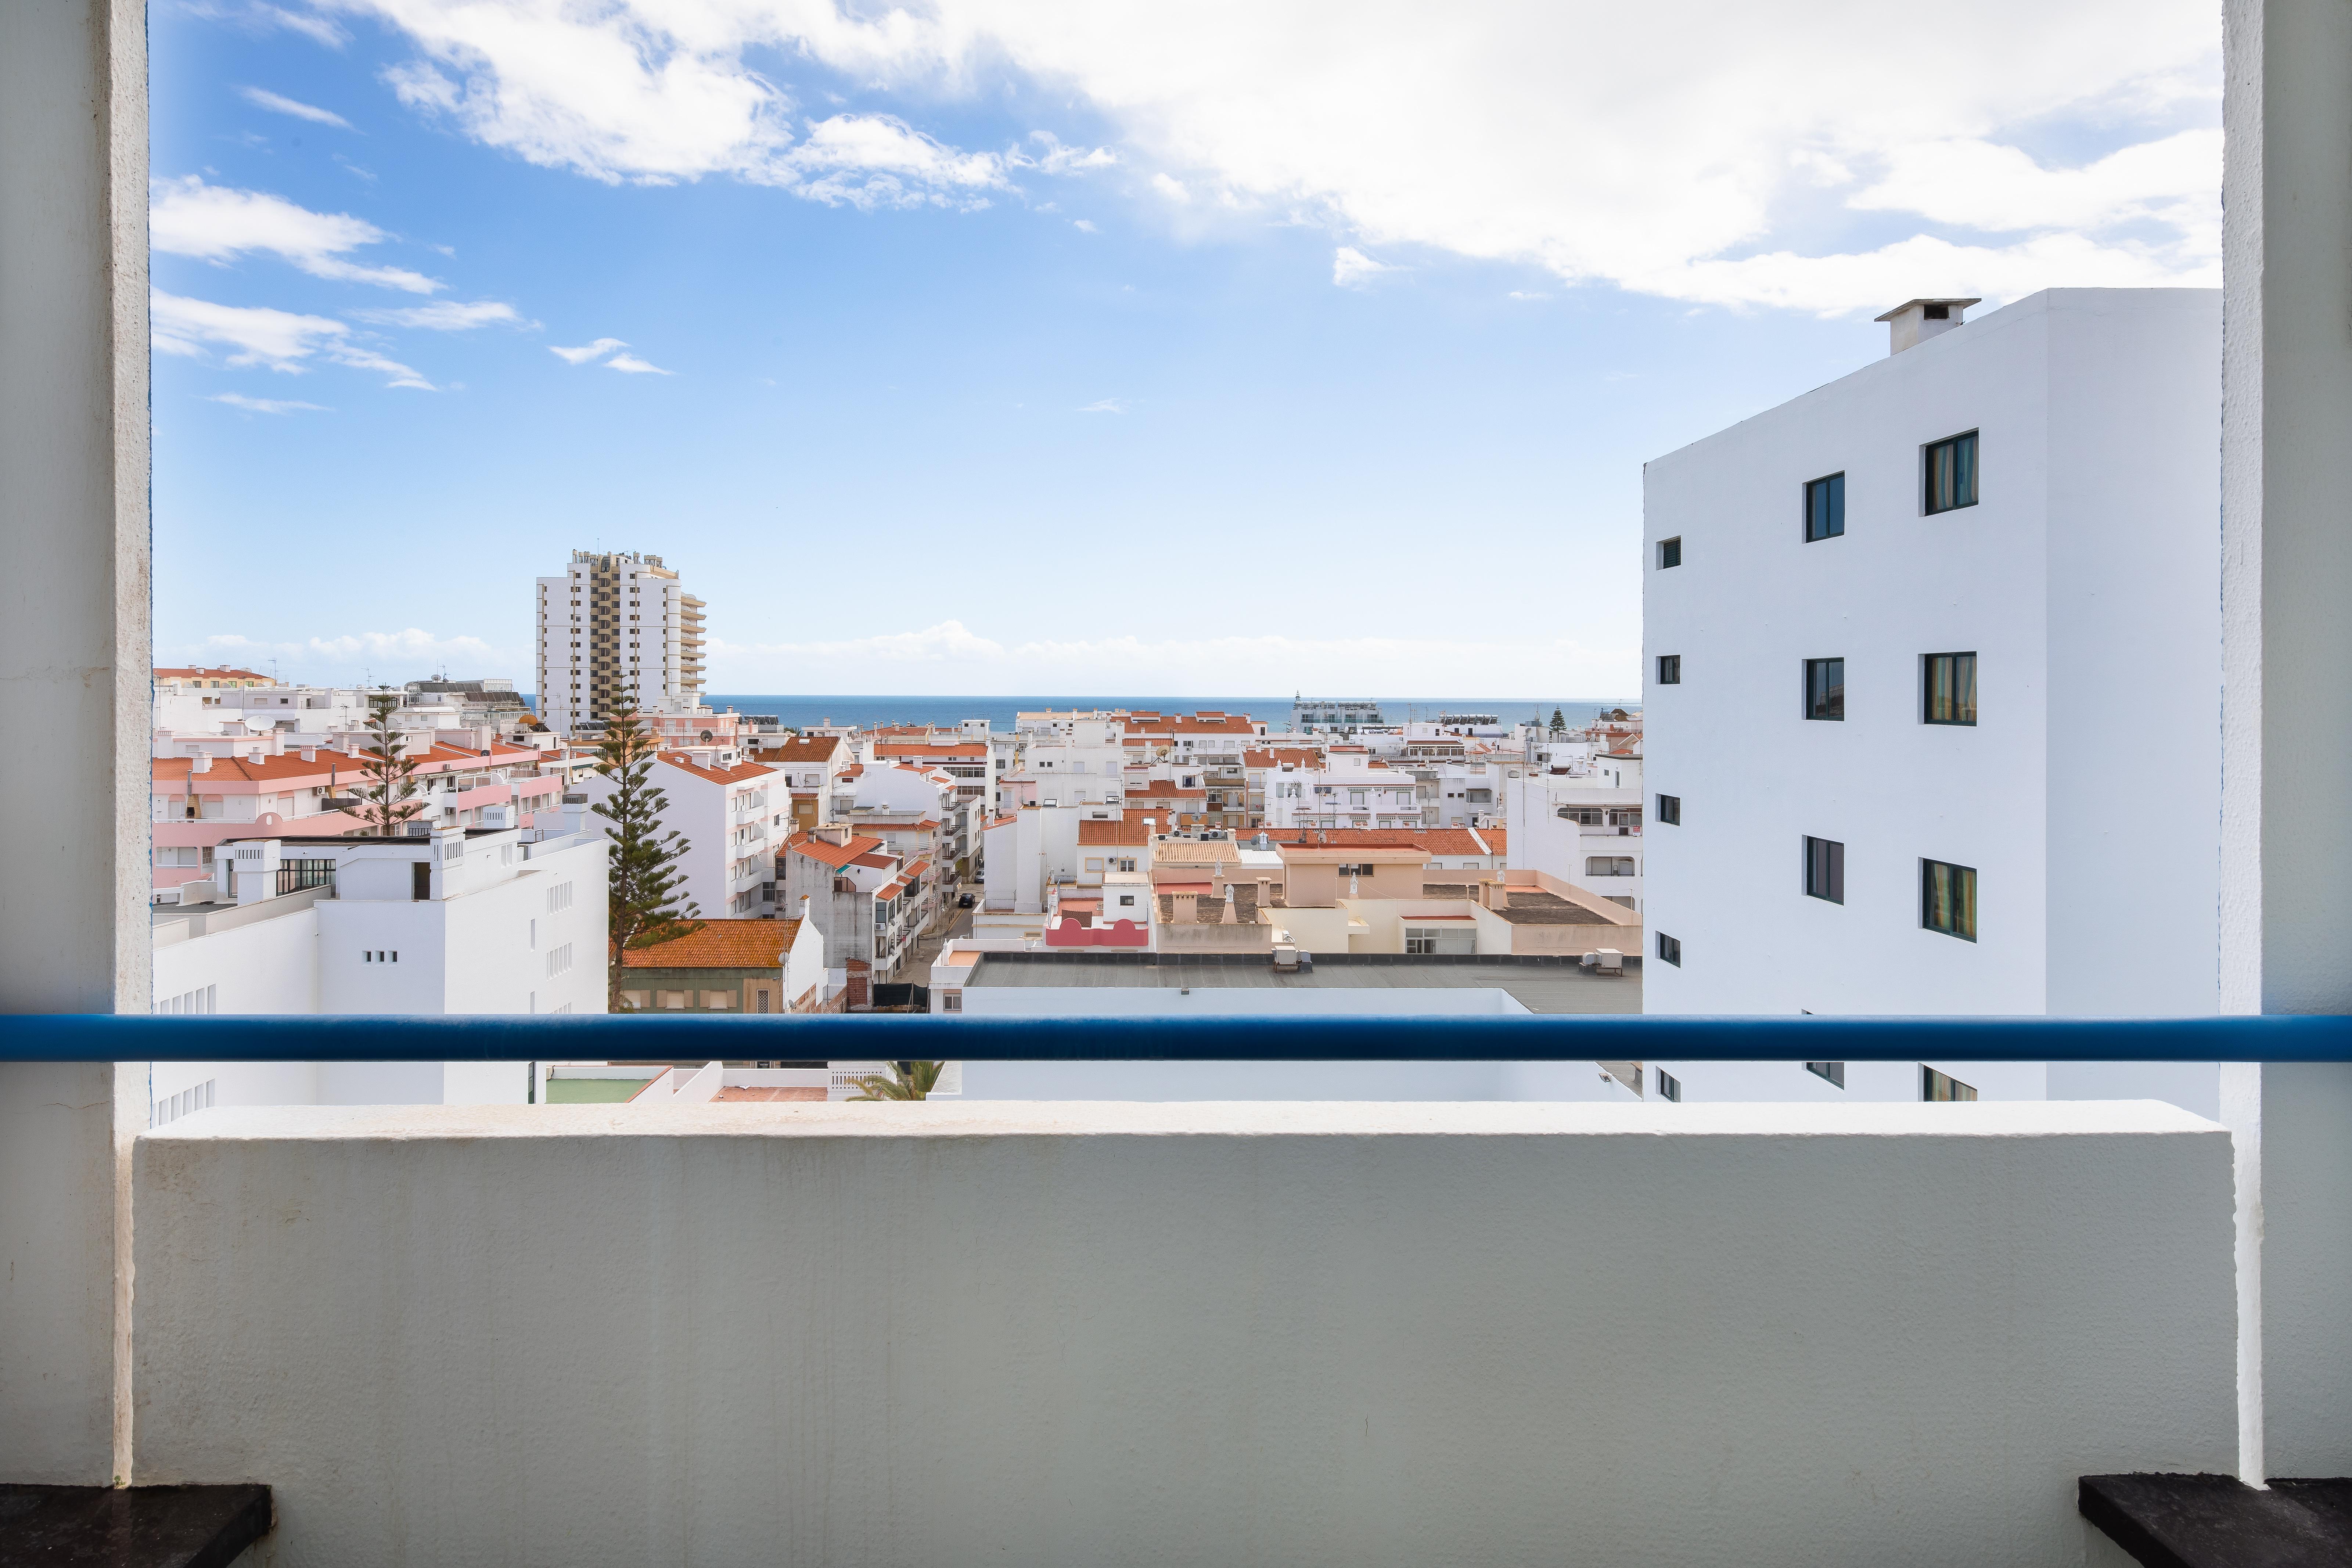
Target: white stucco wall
(2087, 576)
(1183, 1334)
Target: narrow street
(917, 967)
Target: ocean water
(1000, 710)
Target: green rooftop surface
(591, 1091)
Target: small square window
(1670, 1087)
(1825, 689)
(1670, 669)
(1825, 870)
(1949, 680)
(1670, 950)
(1670, 552)
(1933, 1085)
(1833, 1071)
(1824, 508)
(1950, 472)
(1670, 810)
(1948, 898)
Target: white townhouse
(457, 921)
(1932, 670)
(735, 817)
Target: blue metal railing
(864, 1038)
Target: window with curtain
(1824, 508)
(1951, 473)
(1825, 689)
(1952, 694)
(1948, 898)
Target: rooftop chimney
(1914, 321)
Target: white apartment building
(1933, 671)
(462, 922)
(1346, 790)
(611, 624)
(1583, 827)
(734, 816)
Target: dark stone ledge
(129, 1527)
(2218, 1522)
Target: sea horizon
(866, 710)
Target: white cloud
(360, 357)
(213, 223)
(1715, 151)
(1171, 189)
(1107, 406)
(384, 657)
(632, 365)
(262, 97)
(2175, 180)
(586, 352)
(449, 316)
(267, 404)
(1083, 226)
(1056, 159)
(1350, 266)
(257, 335)
(951, 657)
(872, 161)
(257, 17)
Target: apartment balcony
(1082, 1333)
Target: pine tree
(388, 798)
(1557, 722)
(643, 880)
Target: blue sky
(987, 349)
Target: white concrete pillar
(75, 679)
(2286, 837)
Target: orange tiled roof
(827, 852)
(952, 749)
(289, 766)
(1122, 832)
(804, 749)
(223, 674)
(719, 944)
(739, 773)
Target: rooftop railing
(2269, 1038)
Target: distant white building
(1933, 666)
(1313, 715)
(460, 921)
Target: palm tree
(908, 1081)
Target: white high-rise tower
(614, 624)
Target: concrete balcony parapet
(1702, 1334)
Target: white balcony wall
(946, 1334)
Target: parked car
(965, 902)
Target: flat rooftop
(1540, 983)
